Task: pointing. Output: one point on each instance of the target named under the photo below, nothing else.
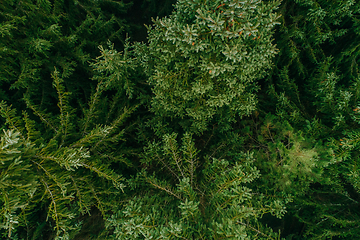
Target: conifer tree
(314, 87)
(36, 36)
(194, 198)
(193, 60)
(202, 63)
(50, 179)
(213, 129)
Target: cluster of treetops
(187, 119)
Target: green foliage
(314, 86)
(36, 36)
(68, 170)
(220, 126)
(194, 198)
(289, 161)
(193, 56)
(15, 189)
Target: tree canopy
(231, 119)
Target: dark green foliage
(141, 14)
(289, 161)
(314, 86)
(36, 36)
(219, 126)
(68, 169)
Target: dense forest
(187, 119)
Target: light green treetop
(204, 58)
